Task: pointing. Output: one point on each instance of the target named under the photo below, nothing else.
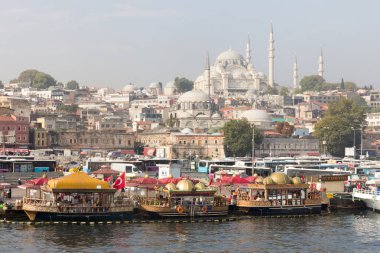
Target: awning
(15, 150)
(127, 152)
(149, 151)
(313, 154)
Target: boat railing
(165, 202)
(366, 192)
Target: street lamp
(324, 142)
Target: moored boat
(184, 200)
(278, 195)
(76, 197)
(370, 194)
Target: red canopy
(167, 180)
(234, 180)
(38, 181)
(251, 179)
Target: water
(338, 232)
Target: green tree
(336, 128)
(69, 108)
(72, 85)
(284, 91)
(360, 101)
(312, 83)
(270, 91)
(1, 85)
(238, 137)
(342, 87)
(183, 84)
(37, 79)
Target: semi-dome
(296, 180)
(229, 55)
(187, 131)
(183, 115)
(200, 186)
(256, 115)
(129, 88)
(77, 180)
(171, 186)
(216, 116)
(170, 85)
(154, 85)
(185, 185)
(280, 178)
(194, 96)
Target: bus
(293, 171)
(27, 165)
(243, 171)
(204, 165)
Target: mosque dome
(216, 116)
(129, 88)
(194, 96)
(185, 185)
(182, 115)
(171, 186)
(199, 78)
(154, 85)
(280, 178)
(229, 55)
(200, 186)
(170, 85)
(202, 116)
(187, 131)
(256, 115)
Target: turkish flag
(119, 182)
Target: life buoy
(179, 209)
(204, 209)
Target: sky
(112, 43)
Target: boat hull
(83, 217)
(281, 210)
(167, 212)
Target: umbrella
(106, 171)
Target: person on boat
(19, 181)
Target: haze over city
(112, 43)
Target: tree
(183, 84)
(336, 128)
(360, 101)
(284, 91)
(69, 108)
(238, 137)
(72, 85)
(270, 90)
(1, 85)
(312, 83)
(35, 78)
(342, 87)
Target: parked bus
(204, 165)
(27, 165)
(293, 171)
(242, 171)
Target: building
(20, 106)
(14, 131)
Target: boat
(184, 200)
(278, 194)
(76, 197)
(370, 194)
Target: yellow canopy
(78, 180)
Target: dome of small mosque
(154, 85)
(185, 185)
(229, 55)
(129, 88)
(170, 85)
(280, 178)
(200, 186)
(296, 180)
(256, 115)
(170, 186)
(194, 96)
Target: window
(216, 141)
(119, 141)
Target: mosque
(232, 75)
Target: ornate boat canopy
(78, 182)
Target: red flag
(119, 182)
(108, 179)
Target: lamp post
(361, 141)
(324, 142)
(253, 146)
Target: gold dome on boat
(185, 185)
(171, 186)
(259, 180)
(296, 180)
(200, 186)
(268, 180)
(280, 178)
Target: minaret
(320, 65)
(295, 74)
(207, 72)
(271, 58)
(248, 51)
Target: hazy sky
(111, 43)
